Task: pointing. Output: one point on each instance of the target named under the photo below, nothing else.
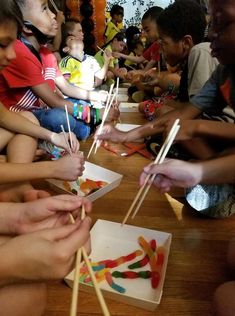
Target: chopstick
(101, 49)
(66, 140)
(68, 124)
(93, 278)
(159, 159)
(54, 5)
(107, 108)
(73, 308)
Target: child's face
(118, 46)
(8, 32)
(139, 50)
(222, 30)
(118, 17)
(74, 45)
(174, 52)
(77, 32)
(150, 29)
(39, 14)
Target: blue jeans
(52, 119)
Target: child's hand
(113, 114)
(45, 254)
(47, 213)
(60, 18)
(121, 72)
(59, 141)
(117, 55)
(68, 167)
(107, 56)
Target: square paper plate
(95, 173)
(110, 240)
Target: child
(80, 69)
(113, 26)
(19, 134)
(136, 49)
(151, 55)
(117, 44)
(32, 81)
(180, 35)
(35, 244)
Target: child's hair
(135, 43)
(116, 9)
(10, 11)
(66, 30)
(152, 13)
(120, 37)
(183, 17)
(132, 34)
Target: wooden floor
(196, 263)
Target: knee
(30, 117)
(224, 300)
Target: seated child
(136, 49)
(117, 44)
(113, 26)
(33, 81)
(78, 68)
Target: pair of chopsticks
(82, 252)
(54, 5)
(159, 159)
(106, 112)
(69, 129)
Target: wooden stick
(103, 120)
(95, 283)
(73, 308)
(54, 5)
(169, 139)
(104, 115)
(117, 87)
(66, 140)
(154, 175)
(68, 124)
(101, 49)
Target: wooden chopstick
(73, 308)
(54, 5)
(66, 140)
(159, 159)
(93, 278)
(101, 49)
(68, 124)
(104, 116)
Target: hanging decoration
(91, 13)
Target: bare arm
(135, 59)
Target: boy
(78, 68)
(33, 82)
(35, 242)
(19, 133)
(181, 29)
(113, 26)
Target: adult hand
(43, 255)
(110, 133)
(173, 173)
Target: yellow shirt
(110, 31)
(100, 58)
(80, 73)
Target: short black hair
(116, 9)
(183, 17)
(152, 13)
(10, 11)
(120, 37)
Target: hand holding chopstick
(159, 159)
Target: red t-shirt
(152, 52)
(24, 72)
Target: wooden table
(196, 263)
